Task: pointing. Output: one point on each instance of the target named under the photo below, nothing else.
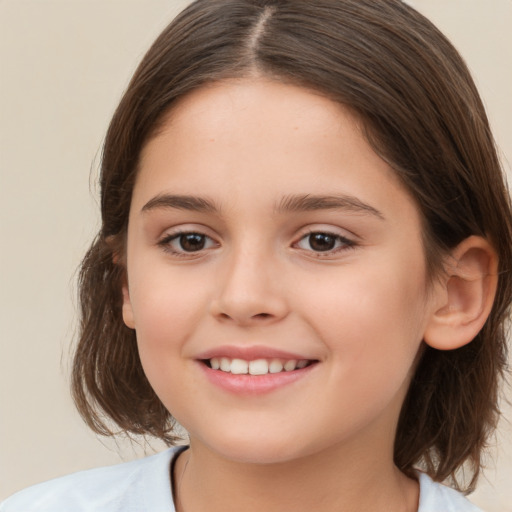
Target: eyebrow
(290, 203)
(181, 202)
(307, 202)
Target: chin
(259, 449)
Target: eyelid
(180, 229)
(171, 234)
(349, 241)
(328, 229)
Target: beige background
(64, 64)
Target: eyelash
(166, 243)
(344, 243)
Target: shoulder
(435, 497)
(135, 486)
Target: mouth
(256, 367)
(254, 370)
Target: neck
(326, 481)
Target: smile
(254, 370)
(257, 366)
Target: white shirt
(145, 486)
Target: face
(266, 237)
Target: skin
(361, 310)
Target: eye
(190, 242)
(324, 242)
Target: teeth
(257, 366)
(275, 366)
(289, 366)
(239, 366)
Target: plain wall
(64, 65)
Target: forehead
(240, 94)
(258, 107)
(239, 139)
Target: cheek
(165, 320)
(167, 305)
(373, 319)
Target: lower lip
(254, 384)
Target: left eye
(187, 242)
(323, 242)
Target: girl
(303, 260)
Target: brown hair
(421, 113)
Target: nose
(250, 290)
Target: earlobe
(465, 295)
(127, 308)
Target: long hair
(421, 113)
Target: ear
(127, 307)
(464, 296)
(117, 246)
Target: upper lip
(250, 353)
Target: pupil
(192, 242)
(322, 242)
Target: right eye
(189, 242)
